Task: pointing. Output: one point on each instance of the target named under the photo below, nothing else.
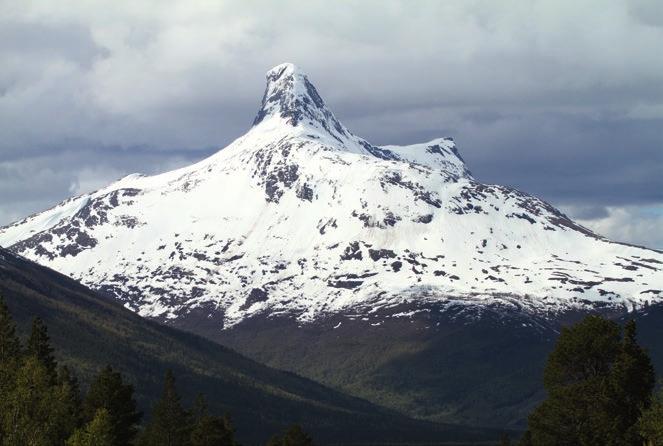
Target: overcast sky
(561, 99)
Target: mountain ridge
(387, 272)
(300, 216)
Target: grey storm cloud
(563, 99)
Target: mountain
(90, 331)
(300, 226)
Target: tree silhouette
(109, 392)
(598, 383)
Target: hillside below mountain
(90, 331)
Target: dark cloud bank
(560, 99)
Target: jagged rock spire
(291, 96)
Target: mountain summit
(291, 100)
(301, 218)
(290, 96)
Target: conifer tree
(66, 377)
(526, 439)
(651, 422)
(169, 425)
(69, 400)
(98, 432)
(109, 392)
(293, 436)
(25, 419)
(10, 347)
(210, 430)
(38, 404)
(10, 353)
(597, 384)
(632, 383)
(38, 410)
(39, 347)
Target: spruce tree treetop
(651, 422)
(39, 346)
(109, 392)
(69, 400)
(200, 408)
(39, 411)
(169, 425)
(10, 354)
(293, 436)
(209, 430)
(66, 377)
(583, 352)
(10, 347)
(98, 432)
(632, 383)
(598, 383)
(170, 405)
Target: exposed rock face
(300, 217)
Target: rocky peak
(289, 95)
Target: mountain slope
(389, 272)
(300, 216)
(436, 365)
(90, 331)
(477, 366)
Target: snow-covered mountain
(301, 217)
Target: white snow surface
(301, 217)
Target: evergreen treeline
(598, 379)
(41, 404)
(599, 383)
